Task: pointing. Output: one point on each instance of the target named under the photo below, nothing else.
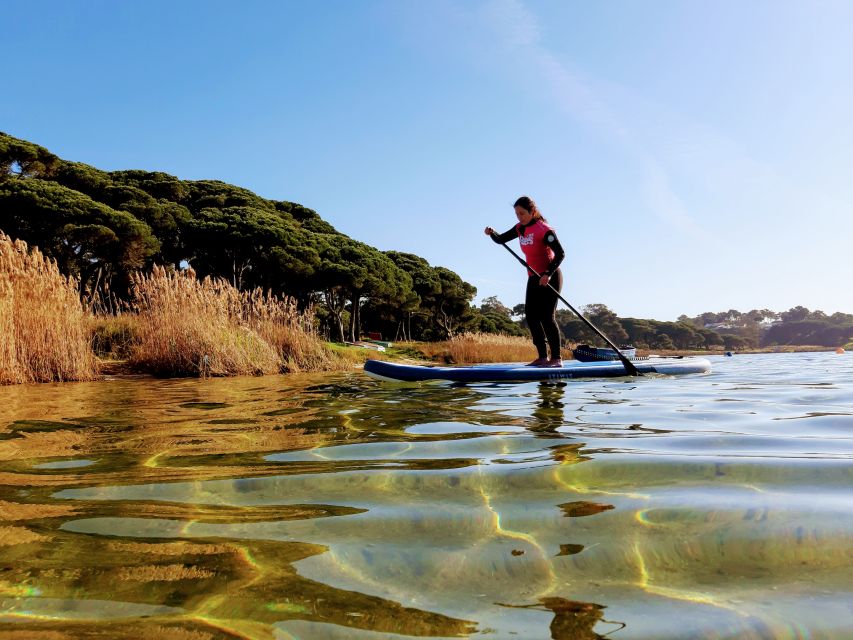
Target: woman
(544, 255)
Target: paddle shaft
(629, 366)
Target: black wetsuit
(540, 303)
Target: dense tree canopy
(495, 317)
(451, 306)
(409, 312)
(85, 237)
(24, 159)
(817, 332)
(252, 247)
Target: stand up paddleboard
(517, 372)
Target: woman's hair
(526, 202)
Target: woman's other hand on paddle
(544, 279)
(490, 231)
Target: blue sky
(692, 156)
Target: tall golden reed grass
(472, 348)
(44, 335)
(191, 327)
(291, 333)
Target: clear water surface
(335, 506)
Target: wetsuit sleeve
(506, 236)
(552, 241)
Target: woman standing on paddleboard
(544, 254)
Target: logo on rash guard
(525, 240)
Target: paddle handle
(629, 366)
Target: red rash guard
(539, 244)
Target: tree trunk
(334, 302)
(355, 317)
(445, 321)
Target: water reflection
(573, 620)
(549, 412)
(338, 507)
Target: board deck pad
(518, 372)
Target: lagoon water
(336, 506)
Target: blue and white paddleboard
(517, 372)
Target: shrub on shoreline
(44, 326)
(290, 332)
(187, 327)
(113, 336)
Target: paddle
(629, 366)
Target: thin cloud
(663, 201)
(512, 24)
(673, 152)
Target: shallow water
(709, 506)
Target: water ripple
(712, 506)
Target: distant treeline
(766, 328)
(102, 226)
(729, 330)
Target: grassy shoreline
(178, 326)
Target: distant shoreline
(721, 352)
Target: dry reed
(472, 348)
(43, 325)
(291, 332)
(191, 327)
